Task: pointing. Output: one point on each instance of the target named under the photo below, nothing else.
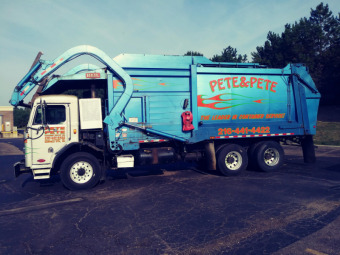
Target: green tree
(193, 53)
(21, 116)
(229, 54)
(313, 41)
(327, 50)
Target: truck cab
(53, 124)
(60, 139)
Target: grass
(327, 133)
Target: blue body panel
(226, 102)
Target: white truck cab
(53, 124)
(54, 140)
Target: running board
(41, 174)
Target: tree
(314, 41)
(327, 26)
(327, 49)
(193, 53)
(229, 54)
(21, 116)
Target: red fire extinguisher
(187, 121)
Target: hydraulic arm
(43, 69)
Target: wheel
(80, 170)
(232, 159)
(252, 156)
(269, 156)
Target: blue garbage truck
(138, 109)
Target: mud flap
(308, 149)
(210, 155)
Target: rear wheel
(80, 171)
(232, 159)
(252, 156)
(269, 156)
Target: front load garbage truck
(152, 109)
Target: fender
(74, 144)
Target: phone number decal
(244, 130)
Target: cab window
(54, 114)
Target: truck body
(150, 109)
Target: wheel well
(74, 148)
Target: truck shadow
(139, 171)
(160, 169)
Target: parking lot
(175, 209)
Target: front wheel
(80, 171)
(232, 160)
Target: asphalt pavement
(175, 209)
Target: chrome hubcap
(81, 172)
(233, 160)
(271, 157)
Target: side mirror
(44, 115)
(41, 114)
(44, 107)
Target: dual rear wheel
(232, 159)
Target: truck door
(49, 133)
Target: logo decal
(54, 134)
(92, 75)
(219, 103)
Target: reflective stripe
(152, 141)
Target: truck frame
(151, 109)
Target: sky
(136, 26)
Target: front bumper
(20, 168)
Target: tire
(80, 170)
(252, 156)
(269, 156)
(232, 160)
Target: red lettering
(220, 82)
(272, 86)
(228, 80)
(213, 84)
(267, 83)
(252, 81)
(259, 82)
(243, 82)
(234, 82)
